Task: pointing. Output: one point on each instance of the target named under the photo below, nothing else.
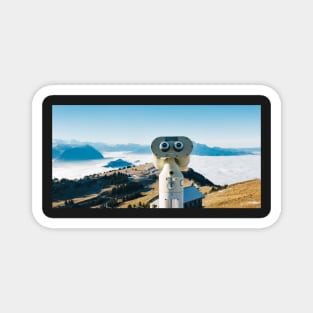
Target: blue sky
(214, 125)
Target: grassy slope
(245, 194)
(92, 193)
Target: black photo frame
(178, 100)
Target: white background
(46, 42)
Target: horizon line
(73, 141)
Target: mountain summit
(80, 153)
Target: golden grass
(76, 200)
(240, 195)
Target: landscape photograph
(102, 157)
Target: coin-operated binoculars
(171, 155)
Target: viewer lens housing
(178, 146)
(164, 146)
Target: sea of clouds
(220, 170)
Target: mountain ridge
(78, 153)
(199, 149)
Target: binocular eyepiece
(177, 146)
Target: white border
(268, 92)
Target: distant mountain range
(131, 147)
(100, 146)
(78, 151)
(204, 150)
